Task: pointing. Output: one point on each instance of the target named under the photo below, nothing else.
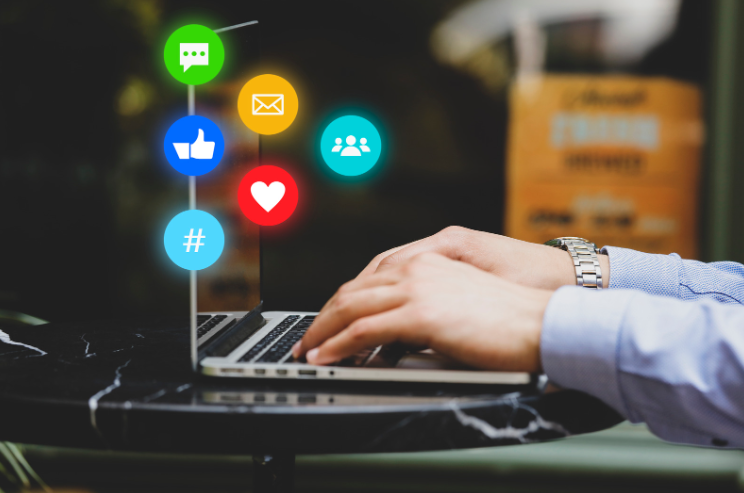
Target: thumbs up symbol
(198, 150)
(201, 149)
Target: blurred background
(470, 96)
(85, 192)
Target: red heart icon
(267, 195)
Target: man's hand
(433, 301)
(528, 264)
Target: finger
(368, 332)
(372, 266)
(346, 309)
(388, 278)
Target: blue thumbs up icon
(194, 145)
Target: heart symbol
(267, 196)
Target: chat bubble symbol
(194, 54)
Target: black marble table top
(128, 385)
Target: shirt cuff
(648, 272)
(580, 338)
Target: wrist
(566, 274)
(576, 261)
(604, 264)
(541, 300)
(562, 268)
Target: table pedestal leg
(273, 473)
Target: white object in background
(191, 54)
(630, 28)
(364, 147)
(198, 150)
(350, 149)
(268, 104)
(268, 196)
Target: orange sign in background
(614, 159)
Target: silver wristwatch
(584, 255)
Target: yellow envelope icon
(268, 104)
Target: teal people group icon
(350, 145)
(194, 240)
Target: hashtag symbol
(198, 239)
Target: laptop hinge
(239, 333)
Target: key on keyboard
(269, 338)
(210, 324)
(279, 350)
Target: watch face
(561, 242)
(557, 242)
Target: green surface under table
(624, 458)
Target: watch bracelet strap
(586, 262)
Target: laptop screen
(232, 283)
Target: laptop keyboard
(279, 350)
(289, 332)
(207, 323)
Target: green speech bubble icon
(194, 54)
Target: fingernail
(296, 349)
(311, 355)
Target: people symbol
(364, 146)
(350, 145)
(351, 149)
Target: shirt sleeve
(676, 365)
(670, 275)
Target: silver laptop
(231, 336)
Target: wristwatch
(584, 255)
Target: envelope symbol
(268, 104)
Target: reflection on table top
(127, 385)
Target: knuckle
(454, 231)
(387, 261)
(419, 265)
(358, 331)
(379, 258)
(343, 303)
(426, 258)
(414, 269)
(345, 288)
(457, 235)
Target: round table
(128, 385)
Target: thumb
(199, 138)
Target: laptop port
(308, 373)
(232, 370)
(259, 371)
(282, 373)
(307, 399)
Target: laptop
(231, 334)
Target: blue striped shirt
(663, 346)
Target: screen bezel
(193, 285)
